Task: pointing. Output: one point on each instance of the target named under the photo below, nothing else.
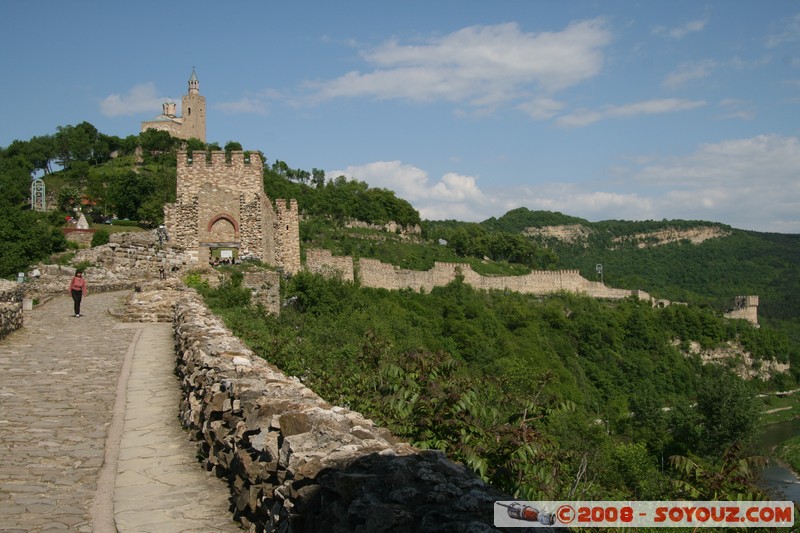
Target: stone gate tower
(193, 121)
(223, 212)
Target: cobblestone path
(63, 465)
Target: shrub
(83, 265)
(100, 238)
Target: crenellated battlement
(236, 171)
(376, 274)
(220, 158)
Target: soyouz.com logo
(643, 514)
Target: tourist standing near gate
(78, 290)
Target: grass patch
(777, 409)
(789, 452)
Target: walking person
(78, 290)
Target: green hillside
(711, 273)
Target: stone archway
(223, 228)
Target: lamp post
(161, 233)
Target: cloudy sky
(467, 109)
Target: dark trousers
(76, 298)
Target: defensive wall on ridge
(373, 273)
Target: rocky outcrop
(569, 233)
(389, 227)
(734, 356)
(297, 463)
(669, 235)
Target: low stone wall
(10, 317)
(81, 236)
(297, 463)
(55, 279)
(138, 255)
(11, 295)
(373, 273)
(11, 291)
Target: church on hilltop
(192, 122)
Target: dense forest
(547, 397)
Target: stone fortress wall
(373, 273)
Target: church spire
(194, 84)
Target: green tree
(318, 178)
(155, 141)
(69, 197)
(128, 192)
(194, 144)
(15, 178)
(728, 412)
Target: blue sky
(467, 109)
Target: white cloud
(680, 32)
(688, 72)
(747, 183)
(584, 117)
(256, 103)
(733, 108)
(453, 196)
(580, 200)
(542, 108)
(246, 105)
(140, 98)
(479, 66)
(788, 33)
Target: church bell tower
(194, 111)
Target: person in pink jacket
(78, 290)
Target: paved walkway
(89, 436)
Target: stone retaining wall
(297, 463)
(137, 255)
(10, 317)
(11, 295)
